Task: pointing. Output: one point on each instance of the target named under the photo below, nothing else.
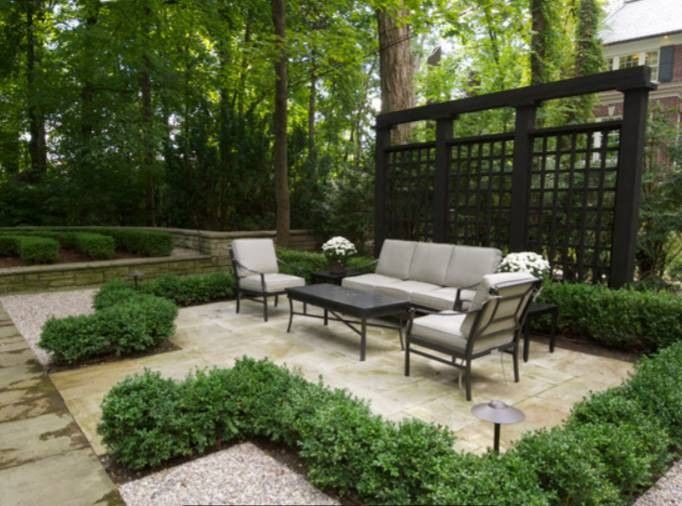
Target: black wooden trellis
(570, 192)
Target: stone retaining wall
(211, 248)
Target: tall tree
(396, 66)
(539, 44)
(33, 10)
(280, 120)
(589, 57)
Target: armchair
(256, 271)
(493, 322)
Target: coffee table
(339, 300)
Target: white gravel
(30, 311)
(242, 474)
(668, 490)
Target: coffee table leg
(363, 339)
(291, 314)
(326, 317)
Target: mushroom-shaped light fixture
(136, 276)
(499, 413)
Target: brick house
(645, 32)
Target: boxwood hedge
(612, 447)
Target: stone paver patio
(213, 335)
(44, 458)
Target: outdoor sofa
(430, 275)
(256, 271)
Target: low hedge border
(613, 446)
(30, 249)
(126, 324)
(626, 319)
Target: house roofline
(662, 34)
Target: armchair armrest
(241, 266)
(458, 299)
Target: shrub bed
(304, 263)
(612, 447)
(133, 323)
(37, 250)
(625, 319)
(150, 243)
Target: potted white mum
(525, 261)
(338, 250)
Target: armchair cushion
(255, 254)
(369, 282)
(469, 264)
(274, 282)
(430, 262)
(395, 258)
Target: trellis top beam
(620, 80)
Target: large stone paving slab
(214, 335)
(44, 457)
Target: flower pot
(337, 267)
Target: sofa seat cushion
(441, 299)
(443, 332)
(395, 258)
(405, 289)
(369, 282)
(274, 282)
(430, 262)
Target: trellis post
(444, 133)
(383, 141)
(630, 160)
(523, 157)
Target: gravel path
(242, 474)
(30, 311)
(668, 490)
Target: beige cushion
(507, 284)
(446, 332)
(368, 282)
(255, 254)
(442, 298)
(469, 264)
(405, 289)
(274, 282)
(429, 262)
(395, 258)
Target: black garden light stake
(136, 277)
(499, 413)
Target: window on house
(651, 59)
(631, 60)
(610, 64)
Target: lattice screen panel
(572, 199)
(480, 191)
(409, 201)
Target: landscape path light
(499, 413)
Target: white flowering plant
(339, 249)
(525, 261)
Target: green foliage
(304, 263)
(130, 326)
(193, 289)
(113, 292)
(150, 243)
(627, 319)
(613, 446)
(95, 246)
(37, 250)
(8, 245)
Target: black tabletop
(347, 299)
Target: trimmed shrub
(192, 289)
(113, 292)
(150, 243)
(304, 263)
(37, 250)
(8, 246)
(626, 319)
(96, 246)
(132, 326)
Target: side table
(535, 310)
(333, 278)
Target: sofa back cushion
(430, 262)
(255, 254)
(395, 258)
(469, 264)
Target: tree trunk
(589, 57)
(312, 158)
(396, 69)
(37, 146)
(87, 113)
(280, 125)
(538, 41)
(147, 114)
